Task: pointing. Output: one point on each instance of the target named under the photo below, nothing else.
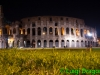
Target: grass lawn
(50, 61)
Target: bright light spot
(39, 43)
(43, 33)
(89, 34)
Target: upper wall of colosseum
(53, 19)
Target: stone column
(42, 43)
(70, 36)
(53, 32)
(17, 30)
(65, 42)
(36, 43)
(59, 43)
(53, 42)
(21, 42)
(47, 31)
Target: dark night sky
(87, 10)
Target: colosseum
(46, 31)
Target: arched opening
(73, 43)
(45, 43)
(93, 44)
(14, 30)
(28, 43)
(39, 43)
(24, 31)
(18, 43)
(82, 43)
(81, 32)
(67, 43)
(50, 30)
(28, 31)
(4, 30)
(62, 43)
(51, 43)
(77, 32)
(72, 31)
(57, 43)
(56, 31)
(45, 30)
(62, 31)
(67, 30)
(86, 44)
(33, 43)
(77, 43)
(33, 31)
(24, 43)
(39, 31)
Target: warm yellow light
(21, 31)
(10, 40)
(43, 33)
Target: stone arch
(45, 30)
(50, 30)
(45, 43)
(62, 30)
(24, 31)
(81, 31)
(72, 31)
(28, 43)
(57, 43)
(62, 43)
(86, 44)
(73, 43)
(13, 43)
(39, 43)
(28, 31)
(82, 43)
(33, 31)
(14, 30)
(67, 30)
(67, 43)
(56, 31)
(39, 31)
(93, 44)
(33, 43)
(25, 43)
(51, 43)
(18, 43)
(77, 43)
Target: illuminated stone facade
(47, 31)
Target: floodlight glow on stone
(89, 34)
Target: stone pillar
(47, 31)
(42, 43)
(17, 30)
(36, 43)
(36, 31)
(70, 35)
(21, 42)
(53, 32)
(65, 42)
(41, 31)
(53, 42)
(59, 43)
